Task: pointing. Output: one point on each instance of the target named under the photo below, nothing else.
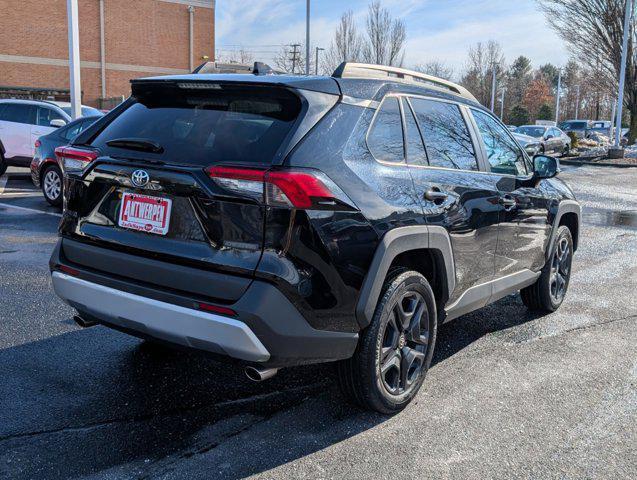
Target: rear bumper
(268, 329)
(184, 326)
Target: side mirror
(545, 166)
(57, 123)
(548, 137)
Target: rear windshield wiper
(139, 144)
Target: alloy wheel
(405, 341)
(560, 270)
(52, 185)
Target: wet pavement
(510, 394)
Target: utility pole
(74, 59)
(307, 39)
(577, 103)
(295, 53)
(622, 74)
(318, 49)
(557, 96)
(502, 104)
(493, 89)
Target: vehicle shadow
(95, 401)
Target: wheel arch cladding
(569, 213)
(395, 243)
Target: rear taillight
(74, 159)
(296, 188)
(37, 143)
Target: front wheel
(548, 292)
(52, 185)
(394, 352)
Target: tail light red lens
(306, 189)
(207, 307)
(74, 159)
(37, 143)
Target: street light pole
(557, 96)
(622, 73)
(318, 49)
(493, 89)
(502, 105)
(307, 39)
(74, 59)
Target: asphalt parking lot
(510, 394)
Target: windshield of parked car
(573, 125)
(86, 111)
(536, 132)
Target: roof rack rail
(258, 68)
(368, 70)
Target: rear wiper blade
(139, 144)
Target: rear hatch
(150, 188)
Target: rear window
(205, 126)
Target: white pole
(622, 73)
(102, 51)
(493, 89)
(191, 35)
(307, 39)
(74, 59)
(557, 97)
(612, 120)
(502, 105)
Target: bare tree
(436, 68)
(241, 56)
(385, 39)
(594, 30)
(482, 60)
(346, 45)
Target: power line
(295, 53)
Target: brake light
(307, 189)
(74, 159)
(37, 143)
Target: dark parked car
(45, 170)
(550, 139)
(579, 127)
(287, 220)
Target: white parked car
(22, 122)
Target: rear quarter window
(206, 127)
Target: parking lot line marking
(3, 183)
(33, 210)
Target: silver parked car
(550, 139)
(530, 144)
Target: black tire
(360, 377)
(52, 171)
(3, 164)
(567, 150)
(548, 292)
(542, 150)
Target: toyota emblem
(140, 178)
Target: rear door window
(385, 138)
(446, 135)
(206, 126)
(19, 113)
(416, 154)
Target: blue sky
(440, 30)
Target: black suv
(286, 220)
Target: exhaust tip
(83, 322)
(260, 374)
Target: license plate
(144, 213)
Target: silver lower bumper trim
(184, 326)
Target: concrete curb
(581, 163)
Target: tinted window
(86, 111)
(19, 113)
(385, 139)
(446, 135)
(415, 150)
(208, 126)
(75, 128)
(503, 153)
(45, 115)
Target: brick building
(119, 40)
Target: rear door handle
(508, 202)
(435, 195)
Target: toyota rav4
(285, 220)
